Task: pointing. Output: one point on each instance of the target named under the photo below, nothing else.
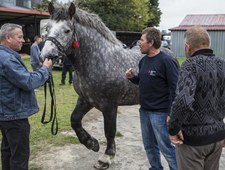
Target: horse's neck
(96, 50)
(92, 42)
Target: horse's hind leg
(110, 115)
(80, 110)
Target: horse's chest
(87, 86)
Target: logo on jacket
(152, 73)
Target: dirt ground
(130, 152)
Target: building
(22, 12)
(20, 4)
(215, 25)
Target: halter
(63, 50)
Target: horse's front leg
(110, 115)
(86, 139)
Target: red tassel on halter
(75, 44)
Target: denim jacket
(17, 84)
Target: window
(23, 3)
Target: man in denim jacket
(17, 101)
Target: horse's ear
(72, 10)
(51, 8)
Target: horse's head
(61, 32)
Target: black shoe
(62, 84)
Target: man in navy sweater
(157, 79)
(196, 124)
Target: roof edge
(24, 11)
(185, 27)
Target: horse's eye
(67, 31)
(47, 29)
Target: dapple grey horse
(99, 64)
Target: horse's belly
(97, 95)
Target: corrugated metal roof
(209, 21)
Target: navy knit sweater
(199, 107)
(157, 79)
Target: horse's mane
(86, 19)
(94, 21)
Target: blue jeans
(156, 138)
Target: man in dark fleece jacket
(157, 79)
(197, 113)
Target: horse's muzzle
(52, 57)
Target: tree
(140, 15)
(154, 13)
(43, 6)
(122, 15)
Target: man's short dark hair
(36, 37)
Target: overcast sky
(174, 11)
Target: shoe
(36, 90)
(62, 84)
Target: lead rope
(53, 114)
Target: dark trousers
(15, 149)
(65, 69)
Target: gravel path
(130, 152)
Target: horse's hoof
(93, 144)
(101, 165)
(111, 153)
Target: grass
(40, 136)
(119, 134)
(181, 59)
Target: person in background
(27, 40)
(17, 101)
(67, 67)
(164, 42)
(42, 43)
(196, 123)
(35, 59)
(157, 79)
